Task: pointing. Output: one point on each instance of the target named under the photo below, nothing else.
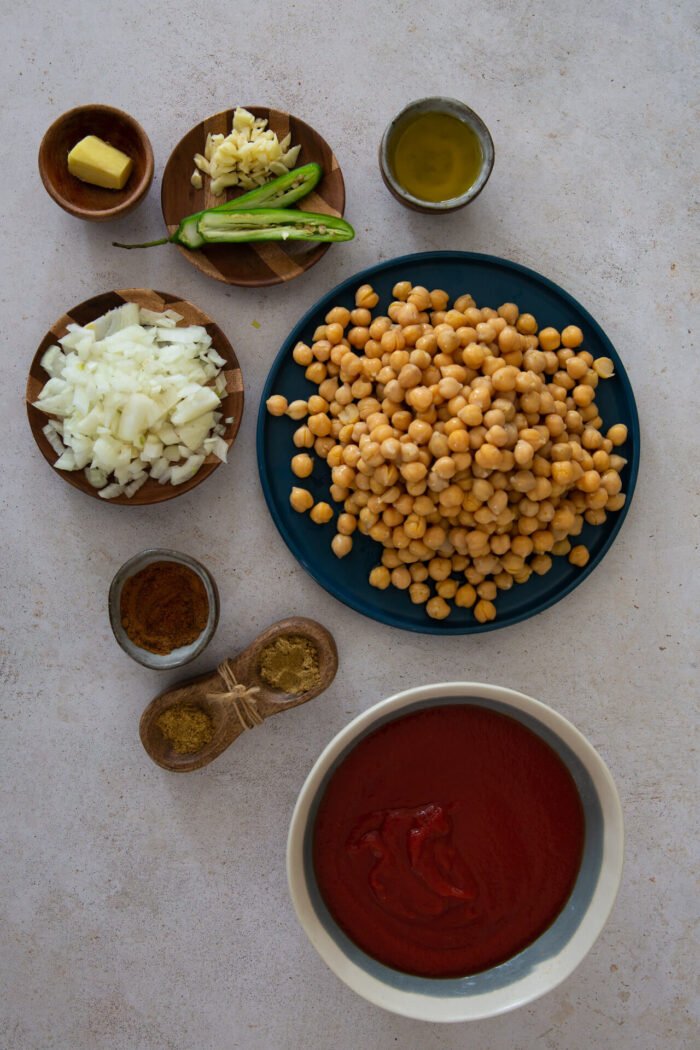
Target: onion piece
(110, 491)
(53, 439)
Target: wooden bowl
(80, 198)
(251, 265)
(208, 691)
(231, 405)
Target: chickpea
(617, 434)
(302, 465)
(302, 354)
(572, 336)
(322, 350)
(360, 316)
(316, 372)
(300, 499)
(338, 315)
(439, 299)
(604, 367)
(323, 445)
(341, 544)
(420, 297)
(401, 578)
(484, 610)
(321, 513)
(465, 596)
(504, 378)
(419, 593)
(487, 590)
(447, 589)
(319, 424)
(409, 376)
(303, 438)
(488, 456)
(526, 324)
(346, 523)
(583, 395)
(439, 568)
(420, 398)
(407, 314)
(549, 339)
(541, 564)
(276, 405)
(611, 483)
(366, 297)
(419, 433)
(380, 577)
(579, 556)
(437, 608)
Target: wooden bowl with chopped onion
(262, 263)
(220, 437)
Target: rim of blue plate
(302, 555)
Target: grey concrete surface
(145, 911)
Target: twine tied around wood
(242, 698)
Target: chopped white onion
(133, 397)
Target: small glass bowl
(185, 653)
(453, 108)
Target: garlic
(247, 157)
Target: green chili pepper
(271, 224)
(278, 193)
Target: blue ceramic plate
(491, 281)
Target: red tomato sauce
(448, 840)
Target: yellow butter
(95, 161)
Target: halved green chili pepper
(278, 193)
(271, 224)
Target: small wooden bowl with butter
(122, 136)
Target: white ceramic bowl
(542, 965)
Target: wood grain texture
(250, 265)
(95, 203)
(231, 405)
(202, 692)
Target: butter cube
(95, 161)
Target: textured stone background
(144, 911)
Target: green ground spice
(186, 727)
(290, 664)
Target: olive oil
(435, 156)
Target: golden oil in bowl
(436, 155)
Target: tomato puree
(448, 840)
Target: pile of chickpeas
(465, 441)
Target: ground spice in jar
(290, 663)
(164, 606)
(186, 727)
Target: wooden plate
(231, 405)
(247, 264)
